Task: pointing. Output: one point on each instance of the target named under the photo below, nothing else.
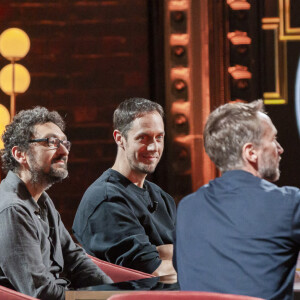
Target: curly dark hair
(133, 108)
(21, 130)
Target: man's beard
(269, 170)
(142, 167)
(40, 177)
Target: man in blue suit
(240, 233)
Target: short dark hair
(133, 108)
(228, 129)
(21, 130)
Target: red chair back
(173, 295)
(118, 273)
(8, 294)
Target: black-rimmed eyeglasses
(53, 142)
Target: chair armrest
(119, 273)
(9, 294)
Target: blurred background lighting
(14, 44)
(16, 83)
(4, 120)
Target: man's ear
(250, 153)
(119, 139)
(19, 155)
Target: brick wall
(85, 58)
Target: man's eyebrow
(62, 137)
(147, 133)
(161, 133)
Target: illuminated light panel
(239, 38)
(239, 4)
(239, 72)
(297, 96)
(274, 101)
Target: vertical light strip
(297, 97)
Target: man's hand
(165, 251)
(166, 266)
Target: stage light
(14, 79)
(14, 44)
(4, 120)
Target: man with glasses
(35, 246)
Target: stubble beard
(269, 170)
(40, 177)
(146, 169)
(142, 167)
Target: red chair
(118, 273)
(8, 294)
(173, 295)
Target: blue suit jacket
(239, 234)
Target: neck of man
(251, 168)
(122, 166)
(35, 189)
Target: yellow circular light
(14, 43)
(4, 120)
(2, 129)
(4, 115)
(22, 79)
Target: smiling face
(144, 144)
(47, 165)
(269, 151)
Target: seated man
(240, 233)
(35, 246)
(123, 218)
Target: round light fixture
(21, 79)
(14, 44)
(4, 120)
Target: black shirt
(121, 223)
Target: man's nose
(280, 149)
(62, 149)
(152, 146)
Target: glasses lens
(67, 144)
(53, 142)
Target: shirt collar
(125, 181)
(19, 187)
